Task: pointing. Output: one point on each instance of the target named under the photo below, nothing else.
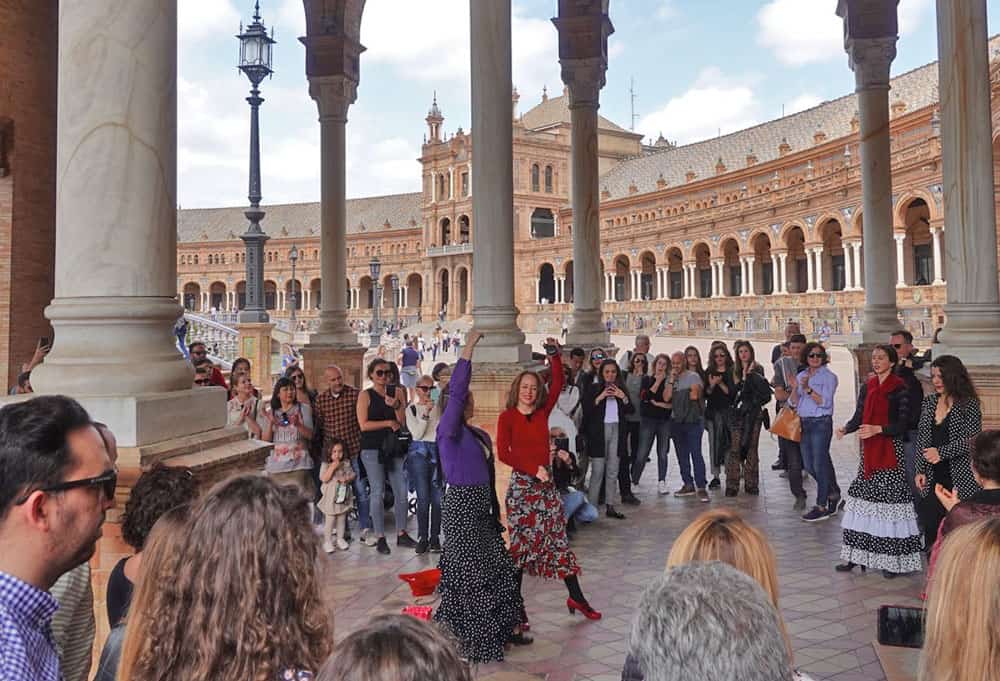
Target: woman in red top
(538, 541)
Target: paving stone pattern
(830, 616)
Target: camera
(284, 418)
(562, 443)
(550, 350)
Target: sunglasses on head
(107, 481)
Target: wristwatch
(809, 391)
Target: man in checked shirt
(335, 414)
(57, 481)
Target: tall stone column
(333, 96)
(583, 37)
(116, 198)
(936, 237)
(973, 307)
(811, 272)
(493, 312)
(818, 254)
(900, 260)
(848, 269)
(870, 42)
(750, 278)
(858, 279)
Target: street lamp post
(375, 267)
(395, 302)
(255, 61)
(293, 256)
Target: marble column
(750, 275)
(333, 96)
(116, 197)
(714, 293)
(493, 311)
(848, 268)
(870, 59)
(936, 237)
(900, 260)
(538, 294)
(858, 279)
(973, 308)
(776, 273)
(810, 272)
(583, 63)
(818, 255)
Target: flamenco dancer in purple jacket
(480, 599)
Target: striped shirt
(26, 647)
(73, 626)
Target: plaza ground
(830, 616)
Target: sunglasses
(816, 355)
(107, 481)
(203, 381)
(897, 345)
(381, 372)
(425, 388)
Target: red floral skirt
(537, 524)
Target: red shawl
(877, 451)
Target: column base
(114, 345)
(587, 330)
(879, 322)
(972, 333)
(349, 357)
(987, 380)
(491, 383)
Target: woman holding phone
(380, 412)
(605, 405)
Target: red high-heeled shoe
(584, 608)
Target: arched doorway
(675, 274)
(918, 251)
(464, 231)
(241, 295)
(568, 283)
(763, 265)
(415, 291)
(797, 267)
(647, 276)
(444, 293)
(543, 224)
(703, 269)
(733, 268)
(293, 294)
(463, 291)
(445, 231)
(834, 270)
(623, 279)
(365, 299)
(270, 295)
(546, 284)
(192, 297)
(217, 296)
(316, 292)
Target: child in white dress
(337, 498)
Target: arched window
(535, 180)
(548, 179)
(445, 232)
(463, 229)
(543, 224)
(196, 260)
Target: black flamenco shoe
(848, 567)
(612, 513)
(889, 575)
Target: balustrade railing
(221, 341)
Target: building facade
(753, 228)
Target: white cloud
(713, 104)
(801, 32)
(198, 19)
(804, 101)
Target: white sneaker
(661, 487)
(328, 545)
(368, 538)
(342, 545)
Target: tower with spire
(434, 120)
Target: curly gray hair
(708, 620)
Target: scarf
(877, 451)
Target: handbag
(395, 444)
(787, 425)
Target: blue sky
(698, 67)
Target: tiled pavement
(830, 616)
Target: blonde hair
(725, 536)
(963, 606)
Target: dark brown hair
(957, 382)
(986, 454)
(396, 648)
(809, 347)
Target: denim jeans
(422, 467)
(650, 430)
(361, 492)
(575, 505)
(376, 481)
(817, 433)
(687, 446)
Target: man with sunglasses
(57, 481)
(902, 341)
(198, 351)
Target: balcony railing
(451, 249)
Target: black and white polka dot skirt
(480, 599)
